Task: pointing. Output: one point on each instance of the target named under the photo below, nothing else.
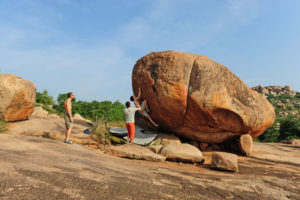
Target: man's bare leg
(68, 133)
(152, 122)
(146, 105)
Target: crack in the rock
(188, 92)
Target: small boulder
(246, 144)
(224, 161)
(169, 139)
(135, 152)
(40, 112)
(183, 153)
(155, 148)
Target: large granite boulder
(17, 98)
(195, 97)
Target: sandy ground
(40, 168)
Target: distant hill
(286, 103)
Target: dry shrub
(101, 131)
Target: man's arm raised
(137, 105)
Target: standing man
(68, 116)
(129, 116)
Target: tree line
(111, 111)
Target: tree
(92, 110)
(289, 129)
(44, 98)
(271, 134)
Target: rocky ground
(36, 164)
(40, 168)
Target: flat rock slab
(135, 152)
(52, 127)
(278, 152)
(224, 161)
(182, 152)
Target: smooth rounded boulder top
(17, 98)
(194, 97)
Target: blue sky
(90, 46)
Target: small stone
(224, 161)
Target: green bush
(285, 96)
(44, 98)
(270, 135)
(289, 129)
(289, 107)
(101, 131)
